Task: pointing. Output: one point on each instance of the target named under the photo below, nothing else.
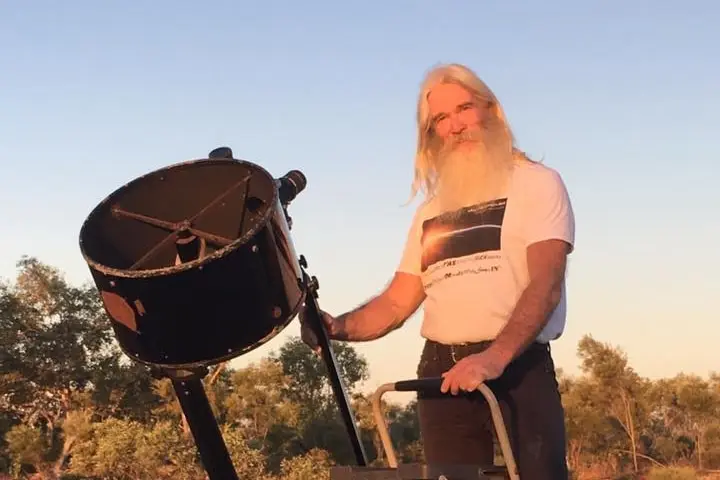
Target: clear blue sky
(620, 97)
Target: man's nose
(456, 125)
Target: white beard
(471, 174)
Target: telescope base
(191, 395)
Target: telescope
(195, 265)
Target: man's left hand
(471, 371)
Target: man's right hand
(374, 319)
(308, 335)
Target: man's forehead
(447, 96)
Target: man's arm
(384, 313)
(549, 231)
(400, 299)
(547, 262)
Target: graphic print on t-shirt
(463, 242)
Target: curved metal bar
(501, 431)
(380, 422)
(434, 384)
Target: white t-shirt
(474, 268)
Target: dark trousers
(458, 429)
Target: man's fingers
(447, 380)
(446, 385)
(462, 377)
(328, 321)
(308, 336)
(471, 384)
(450, 382)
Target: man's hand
(471, 371)
(374, 319)
(308, 336)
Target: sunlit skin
(453, 111)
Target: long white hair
(426, 156)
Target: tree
(309, 381)
(590, 435)
(691, 407)
(257, 402)
(623, 389)
(121, 449)
(57, 354)
(314, 465)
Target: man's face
(455, 116)
(472, 153)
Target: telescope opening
(137, 227)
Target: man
(486, 253)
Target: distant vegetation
(73, 407)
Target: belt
(458, 351)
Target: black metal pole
(312, 313)
(203, 425)
(193, 400)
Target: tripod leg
(203, 425)
(312, 312)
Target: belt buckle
(453, 354)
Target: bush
(672, 473)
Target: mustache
(462, 137)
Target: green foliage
(249, 462)
(73, 407)
(26, 445)
(308, 383)
(618, 421)
(314, 465)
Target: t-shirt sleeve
(550, 214)
(410, 261)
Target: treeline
(73, 407)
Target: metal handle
(428, 384)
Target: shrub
(672, 473)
